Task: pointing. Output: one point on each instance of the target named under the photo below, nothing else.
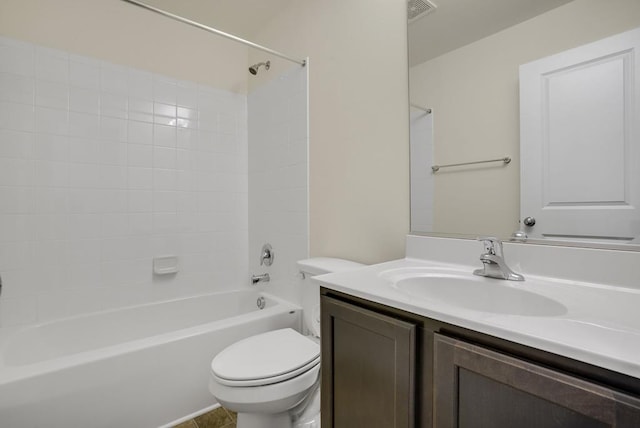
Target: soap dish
(165, 265)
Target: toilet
(272, 379)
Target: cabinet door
(368, 368)
(479, 388)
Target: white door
(579, 142)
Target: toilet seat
(264, 359)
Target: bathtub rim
(13, 373)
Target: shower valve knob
(267, 255)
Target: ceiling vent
(419, 8)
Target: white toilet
(272, 379)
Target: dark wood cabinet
(383, 367)
(368, 368)
(479, 388)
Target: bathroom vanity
(545, 352)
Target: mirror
(464, 66)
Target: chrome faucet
(266, 255)
(493, 260)
(260, 278)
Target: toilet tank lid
(322, 265)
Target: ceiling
(456, 23)
(453, 24)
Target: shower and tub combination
(128, 167)
(145, 366)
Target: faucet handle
(492, 245)
(266, 255)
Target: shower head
(254, 68)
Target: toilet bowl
(271, 379)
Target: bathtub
(144, 366)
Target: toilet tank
(311, 290)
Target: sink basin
(475, 293)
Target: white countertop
(601, 325)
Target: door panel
(480, 388)
(580, 154)
(368, 368)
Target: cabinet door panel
(476, 388)
(368, 368)
(486, 403)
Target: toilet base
(311, 421)
(307, 413)
(264, 420)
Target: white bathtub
(144, 366)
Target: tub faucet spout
(493, 260)
(260, 278)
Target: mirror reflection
(465, 58)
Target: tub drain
(261, 302)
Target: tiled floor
(218, 418)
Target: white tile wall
(103, 167)
(278, 200)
